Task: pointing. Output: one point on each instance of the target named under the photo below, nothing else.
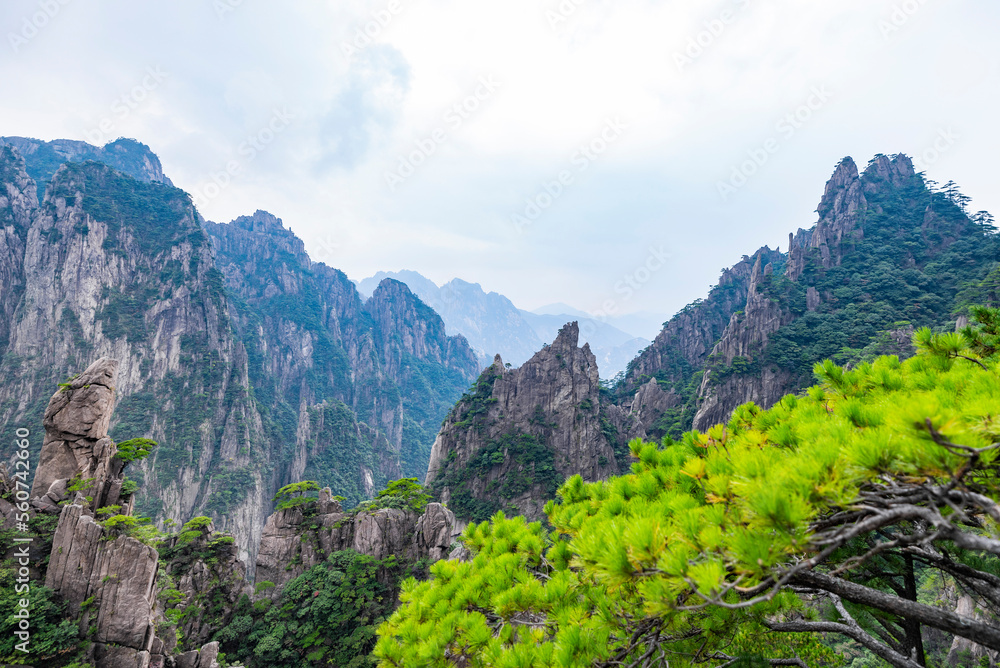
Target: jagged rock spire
(76, 438)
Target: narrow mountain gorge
(249, 364)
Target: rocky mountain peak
(259, 239)
(261, 221)
(520, 432)
(844, 175)
(128, 156)
(840, 212)
(895, 171)
(567, 339)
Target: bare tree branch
(983, 634)
(850, 628)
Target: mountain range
(890, 252)
(249, 364)
(254, 366)
(494, 326)
(287, 402)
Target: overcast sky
(423, 144)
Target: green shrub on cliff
(404, 494)
(325, 617)
(53, 638)
(296, 494)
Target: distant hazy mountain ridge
(493, 325)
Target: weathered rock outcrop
(113, 575)
(107, 579)
(682, 349)
(746, 338)
(650, 402)
(687, 339)
(964, 651)
(841, 209)
(76, 442)
(523, 431)
(210, 577)
(294, 541)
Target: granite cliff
(140, 599)
(99, 569)
(509, 443)
(251, 365)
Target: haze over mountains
(493, 325)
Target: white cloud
(324, 173)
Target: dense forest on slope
(891, 251)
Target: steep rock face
(678, 356)
(117, 268)
(126, 155)
(265, 375)
(77, 444)
(109, 581)
(840, 209)
(294, 542)
(687, 339)
(402, 319)
(429, 368)
(366, 384)
(206, 578)
(745, 339)
(887, 254)
(523, 431)
(17, 203)
(306, 334)
(650, 402)
(115, 574)
(489, 321)
(962, 649)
